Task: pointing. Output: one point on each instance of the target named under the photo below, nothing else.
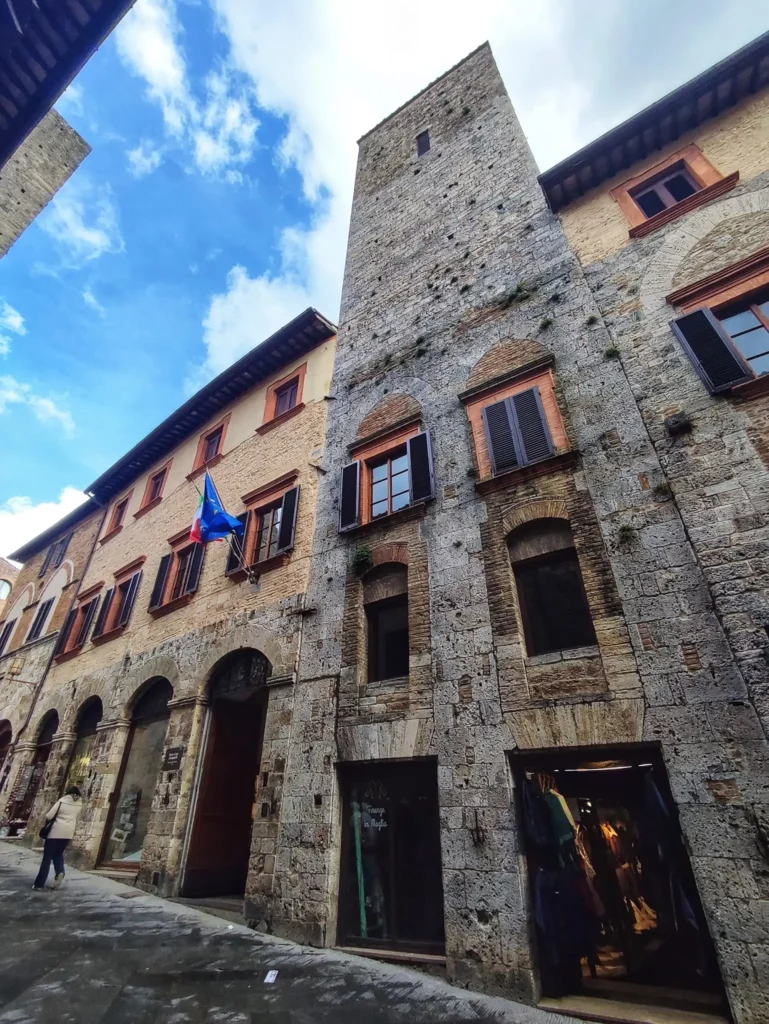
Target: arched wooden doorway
(6, 735)
(88, 719)
(131, 802)
(30, 777)
(220, 843)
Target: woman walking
(57, 832)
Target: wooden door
(217, 862)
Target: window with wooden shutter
(60, 550)
(421, 474)
(711, 350)
(517, 431)
(88, 613)
(194, 569)
(129, 590)
(159, 586)
(47, 560)
(66, 629)
(101, 620)
(5, 634)
(40, 619)
(287, 528)
(236, 557)
(349, 502)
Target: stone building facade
(482, 440)
(35, 172)
(176, 662)
(42, 595)
(8, 574)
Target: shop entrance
(220, 844)
(132, 800)
(391, 887)
(28, 782)
(615, 908)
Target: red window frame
(658, 186)
(268, 526)
(155, 487)
(286, 396)
(748, 304)
(118, 514)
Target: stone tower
(466, 316)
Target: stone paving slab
(86, 955)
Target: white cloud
(144, 159)
(21, 519)
(10, 320)
(83, 221)
(93, 303)
(219, 130)
(45, 409)
(70, 103)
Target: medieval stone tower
(502, 588)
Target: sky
(215, 202)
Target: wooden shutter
(47, 560)
(194, 569)
(5, 633)
(85, 625)
(66, 629)
(61, 550)
(534, 439)
(130, 597)
(39, 620)
(101, 620)
(711, 350)
(287, 528)
(349, 501)
(159, 586)
(236, 558)
(421, 477)
(500, 435)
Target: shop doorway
(30, 777)
(391, 886)
(131, 802)
(88, 719)
(220, 843)
(615, 908)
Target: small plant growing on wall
(362, 560)
(612, 352)
(544, 324)
(662, 490)
(591, 321)
(626, 534)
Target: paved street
(96, 951)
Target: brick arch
(392, 552)
(256, 637)
(505, 359)
(55, 701)
(543, 508)
(663, 267)
(721, 247)
(104, 689)
(137, 678)
(391, 410)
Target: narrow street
(96, 950)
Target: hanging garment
(563, 931)
(561, 821)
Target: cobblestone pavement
(95, 951)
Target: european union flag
(212, 521)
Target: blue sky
(214, 204)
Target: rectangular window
(212, 444)
(423, 143)
(267, 533)
(554, 608)
(286, 396)
(178, 575)
(40, 619)
(390, 885)
(390, 484)
(665, 191)
(5, 634)
(85, 617)
(517, 431)
(747, 324)
(155, 488)
(119, 601)
(388, 638)
(183, 560)
(118, 515)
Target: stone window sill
(757, 388)
(171, 606)
(200, 470)
(106, 637)
(277, 420)
(111, 534)
(705, 195)
(403, 515)
(146, 508)
(572, 654)
(258, 568)
(68, 655)
(524, 473)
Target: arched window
(29, 782)
(5, 590)
(88, 719)
(551, 594)
(386, 600)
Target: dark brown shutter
(66, 629)
(421, 478)
(711, 350)
(287, 528)
(85, 625)
(500, 435)
(5, 633)
(160, 582)
(349, 502)
(533, 432)
(61, 550)
(130, 597)
(194, 569)
(101, 620)
(236, 558)
(47, 560)
(39, 620)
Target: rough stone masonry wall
(35, 173)
(436, 248)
